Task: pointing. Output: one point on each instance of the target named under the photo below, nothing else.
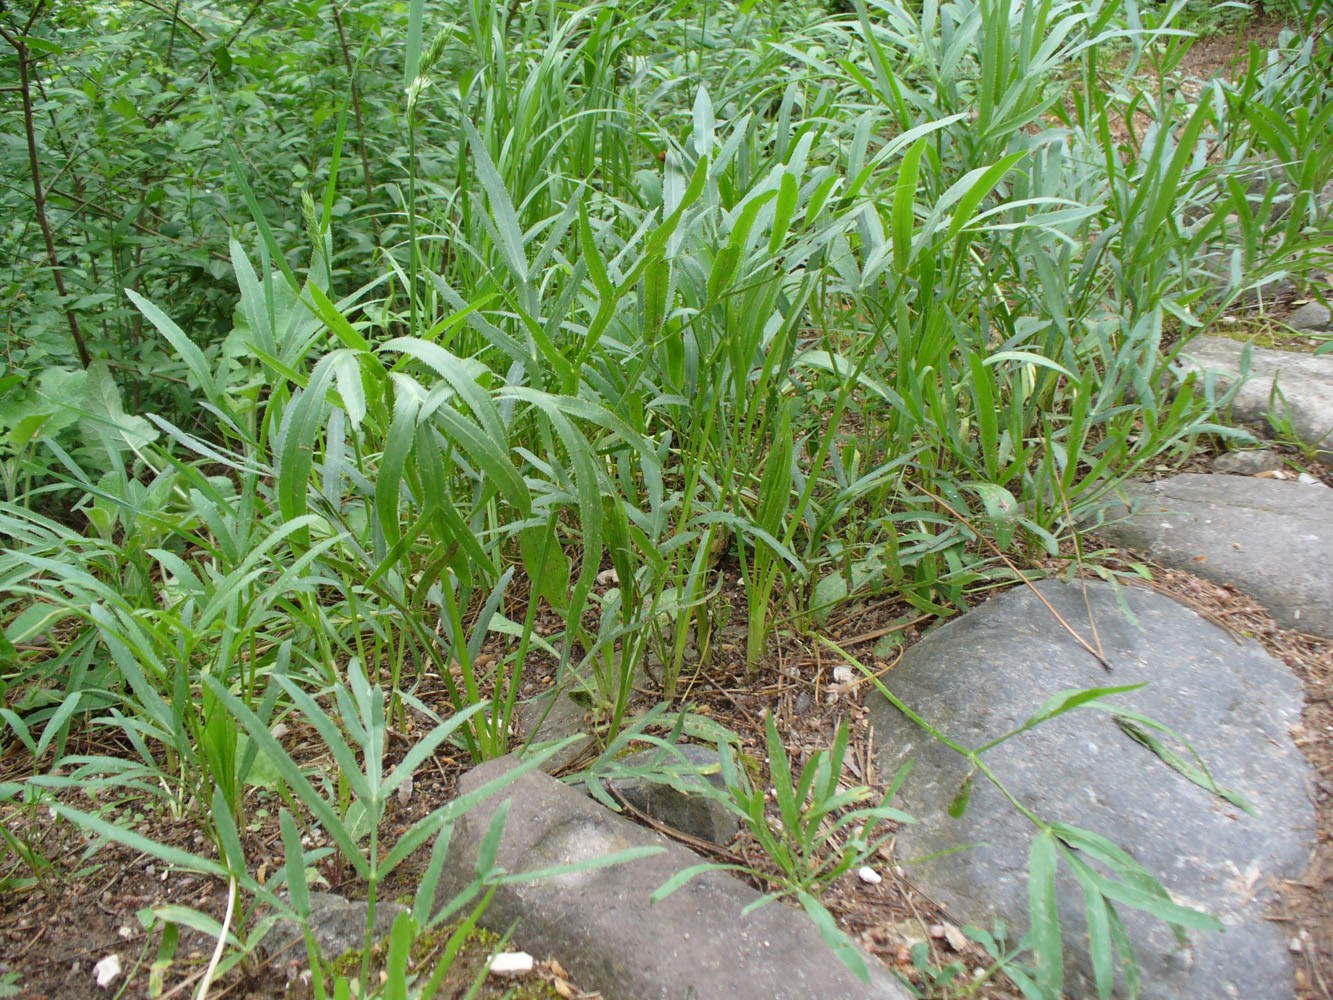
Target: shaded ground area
(85, 907)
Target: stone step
(1272, 539)
(694, 943)
(982, 675)
(1304, 388)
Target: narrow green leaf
(507, 230)
(904, 205)
(1060, 703)
(975, 186)
(193, 357)
(1044, 915)
(783, 213)
(1101, 949)
(136, 841)
(416, 12)
(1199, 775)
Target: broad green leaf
(105, 418)
(962, 797)
(830, 591)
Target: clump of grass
(875, 300)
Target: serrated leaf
(105, 418)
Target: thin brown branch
(356, 106)
(38, 192)
(1022, 576)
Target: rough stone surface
(1311, 316)
(554, 715)
(600, 925)
(982, 675)
(1248, 463)
(1272, 539)
(557, 714)
(337, 924)
(679, 803)
(1305, 383)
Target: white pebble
(870, 876)
(107, 970)
(511, 963)
(843, 675)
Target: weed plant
(338, 362)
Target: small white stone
(956, 938)
(843, 675)
(869, 876)
(107, 970)
(511, 963)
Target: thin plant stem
(38, 191)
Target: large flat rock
(694, 943)
(1296, 387)
(980, 676)
(1273, 539)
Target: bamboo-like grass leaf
(1140, 729)
(904, 205)
(189, 352)
(1060, 703)
(1044, 915)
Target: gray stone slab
(673, 795)
(1248, 463)
(551, 716)
(1310, 316)
(1271, 538)
(980, 676)
(602, 928)
(1305, 383)
(337, 924)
